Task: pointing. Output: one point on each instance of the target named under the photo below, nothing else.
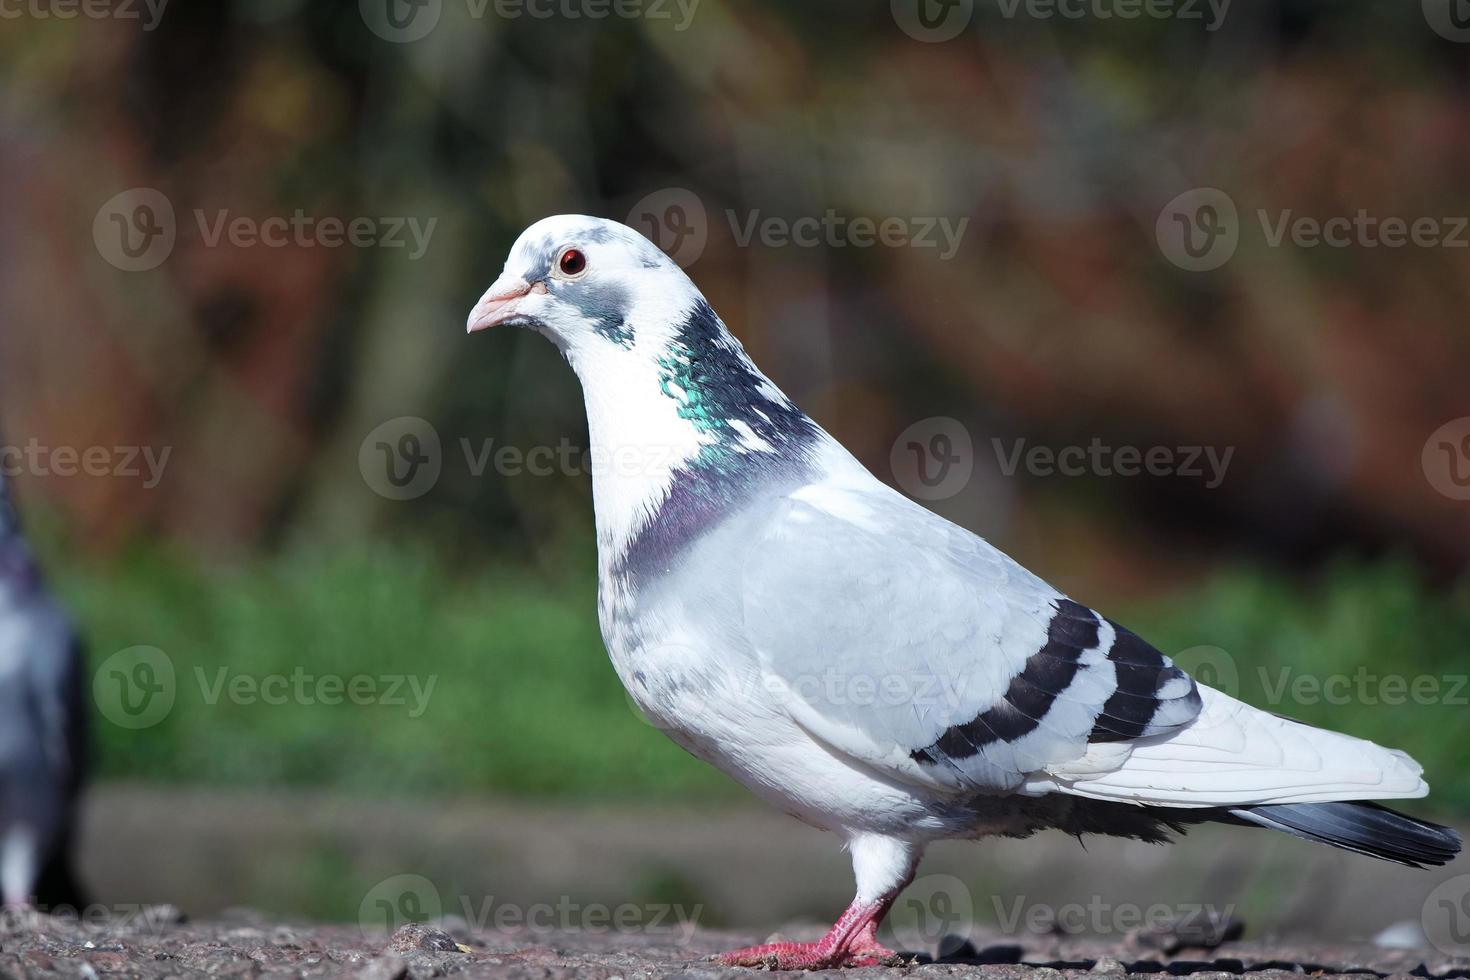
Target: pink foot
(809, 956)
(851, 942)
(865, 950)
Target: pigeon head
(586, 283)
(650, 352)
(687, 423)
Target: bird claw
(809, 956)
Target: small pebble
(416, 936)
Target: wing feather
(912, 645)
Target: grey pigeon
(43, 729)
(860, 662)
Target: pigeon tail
(1360, 827)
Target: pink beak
(499, 303)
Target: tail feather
(1361, 827)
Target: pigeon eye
(572, 262)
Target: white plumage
(1234, 754)
(861, 662)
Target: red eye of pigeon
(572, 262)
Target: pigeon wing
(911, 645)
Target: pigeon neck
(681, 431)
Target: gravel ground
(695, 882)
(159, 942)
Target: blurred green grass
(525, 702)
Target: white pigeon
(860, 662)
(42, 730)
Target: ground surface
(157, 942)
(599, 892)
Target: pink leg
(852, 941)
